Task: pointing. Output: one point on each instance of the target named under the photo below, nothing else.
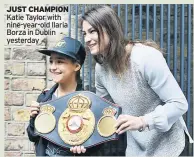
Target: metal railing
(169, 25)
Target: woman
(136, 76)
(66, 59)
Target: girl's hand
(78, 149)
(34, 109)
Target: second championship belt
(79, 118)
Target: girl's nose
(53, 66)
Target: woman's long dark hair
(104, 18)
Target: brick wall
(25, 76)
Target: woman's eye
(50, 62)
(92, 31)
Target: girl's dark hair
(104, 18)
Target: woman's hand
(34, 109)
(78, 149)
(127, 122)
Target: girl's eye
(50, 61)
(59, 62)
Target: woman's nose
(87, 39)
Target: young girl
(135, 75)
(66, 59)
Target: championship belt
(79, 118)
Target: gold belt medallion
(76, 123)
(45, 122)
(106, 123)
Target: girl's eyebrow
(61, 58)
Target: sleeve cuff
(157, 120)
(32, 122)
(149, 120)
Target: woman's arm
(155, 70)
(100, 89)
(111, 148)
